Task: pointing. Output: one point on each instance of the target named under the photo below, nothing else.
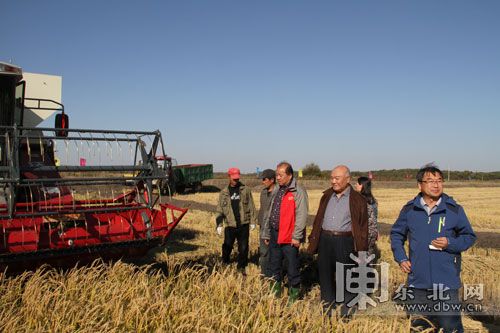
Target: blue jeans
(276, 254)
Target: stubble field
(183, 287)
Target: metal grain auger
(69, 195)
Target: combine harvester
(73, 195)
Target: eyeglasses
(433, 182)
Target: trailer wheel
(197, 187)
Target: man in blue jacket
(438, 231)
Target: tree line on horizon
(313, 171)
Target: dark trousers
(440, 315)
(276, 254)
(264, 258)
(231, 234)
(333, 249)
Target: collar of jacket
(445, 200)
(292, 187)
(265, 190)
(330, 191)
(354, 195)
(226, 188)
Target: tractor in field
(73, 195)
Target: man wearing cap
(284, 229)
(266, 196)
(236, 211)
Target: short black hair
(428, 168)
(269, 174)
(288, 167)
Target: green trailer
(180, 177)
(191, 176)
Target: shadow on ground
(204, 189)
(210, 189)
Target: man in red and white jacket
(284, 229)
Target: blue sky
(370, 84)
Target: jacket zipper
(430, 252)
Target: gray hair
(347, 170)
